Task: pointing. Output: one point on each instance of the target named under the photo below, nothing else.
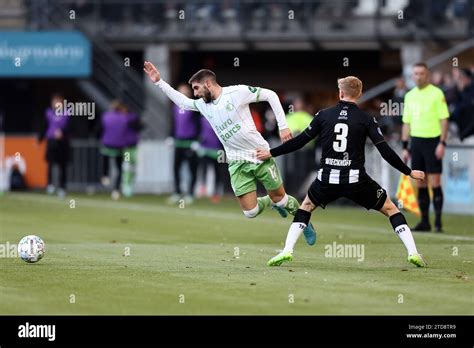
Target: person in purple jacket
(56, 129)
(210, 150)
(185, 131)
(114, 125)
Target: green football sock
(263, 202)
(292, 206)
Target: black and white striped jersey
(343, 130)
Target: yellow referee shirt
(423, 109)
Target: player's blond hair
(351, 86)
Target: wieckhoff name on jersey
(338, 162)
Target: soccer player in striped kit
(343, 130)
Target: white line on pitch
(197, 212)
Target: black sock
(302, 216)
(396, 220)
(424, 203)
(438, 204)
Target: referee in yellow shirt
(425, 120)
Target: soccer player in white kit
(227, 110)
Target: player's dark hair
(201, 75)
(421, 65)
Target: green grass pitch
(210, 259)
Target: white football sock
(283, 202)
(405, 235)
(293, 234)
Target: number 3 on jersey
(341, 130)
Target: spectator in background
(130, 152)
(340, 12)
(424, 14)
(463, 113)
(15, 170)
(186, 129)
(400, 90)
(397, 98)
(437, 78)
(56, 129)
(450, 89)
(114, 126)
(211, 155)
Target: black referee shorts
(422, 151)
(367, 193)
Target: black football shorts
(367, 193)
(422, 151)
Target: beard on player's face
(206, 95)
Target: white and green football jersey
(231, 119)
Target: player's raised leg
(244, 184)
(269, 175)
(400, 226)
(251, 205)
(282, 202)
(300, 224)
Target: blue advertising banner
(44, 54)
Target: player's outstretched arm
(375, 134)
(311, 132)
(396, 162)
(272, 98)
(290, 146)
(176, 97)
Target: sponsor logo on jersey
(379, 193)
(342, 115)
(227, 129)
(252, 89)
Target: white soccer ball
(31, 249)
